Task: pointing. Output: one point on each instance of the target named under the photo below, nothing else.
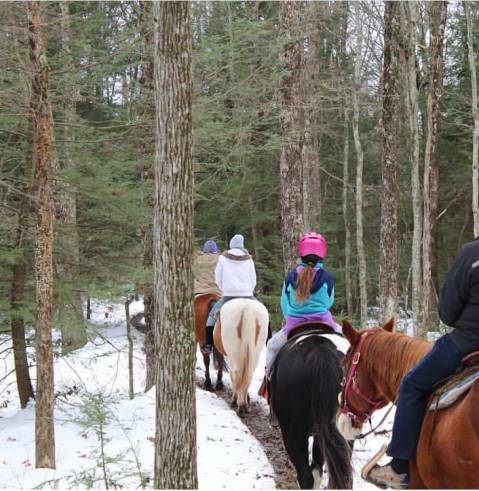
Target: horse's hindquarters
(243, 331)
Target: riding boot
(207, 348)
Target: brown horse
(202, 308)
(448, 448)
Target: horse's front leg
(206, 360)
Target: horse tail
(325, 386)
(219, 360)
(245, 370)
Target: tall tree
(363, 293)
(437, 19)
(311, 97)
(343, 95)
(175, 443)
(291, 175)
(44, 167)
(388, 261)
(68, 250)
(475, 115)
(410, 13)
(147, 116)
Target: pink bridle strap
(351, 384)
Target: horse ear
(349, 332)
(390, 324)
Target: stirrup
(374, 460)
(206, 349)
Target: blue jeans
(210, 322)
(416, 387)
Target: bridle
(350, 383)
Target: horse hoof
(242, 411)
(220, 385)
(208, 385)
(233, 403)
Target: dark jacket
(459, 301)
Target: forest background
(330, 56)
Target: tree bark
(19, 277)
(345, 191)
(148, 116)
(67, 259)
(437, 15)
(291, 176)
(175, 443)
(388, 262)
(363, 294)
(475, 115)
(44, 167)
(311, 97)
(411, 15)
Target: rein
(350, 383)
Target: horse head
(362, 391)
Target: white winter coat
(235, 274)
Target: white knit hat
(237, 242)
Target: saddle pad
(341, 343)
(449, 393)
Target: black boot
(207, 348)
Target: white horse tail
(244, 332)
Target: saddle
(452, 388)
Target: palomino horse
(202, 308)
(305, 384)
(448, 447)
(240, 334)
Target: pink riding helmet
(312, 243)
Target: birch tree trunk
(291, 175)
(67, 258)
(175, 442)
(147, 137)
(437, 15)
(311, 97)
(347, 225)
(363, 295)
(411, 15)
(388, 263)
(475, 115)
(44, 166)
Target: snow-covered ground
(92, 390)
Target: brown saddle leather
(471, 359)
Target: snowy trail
(269, 438)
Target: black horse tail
(326, 385)
(219, 360)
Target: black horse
(305, 384)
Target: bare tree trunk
(44, 166)
(410, 11)
(131, 389)
(67, 259)
(388, 261)
(363, 294)
(475, 114)
(437, 14)
(291, 176)
(311, 97)
(148, 116)
(175, 443)
(17, 296)
(347, 225)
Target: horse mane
(391, 355)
